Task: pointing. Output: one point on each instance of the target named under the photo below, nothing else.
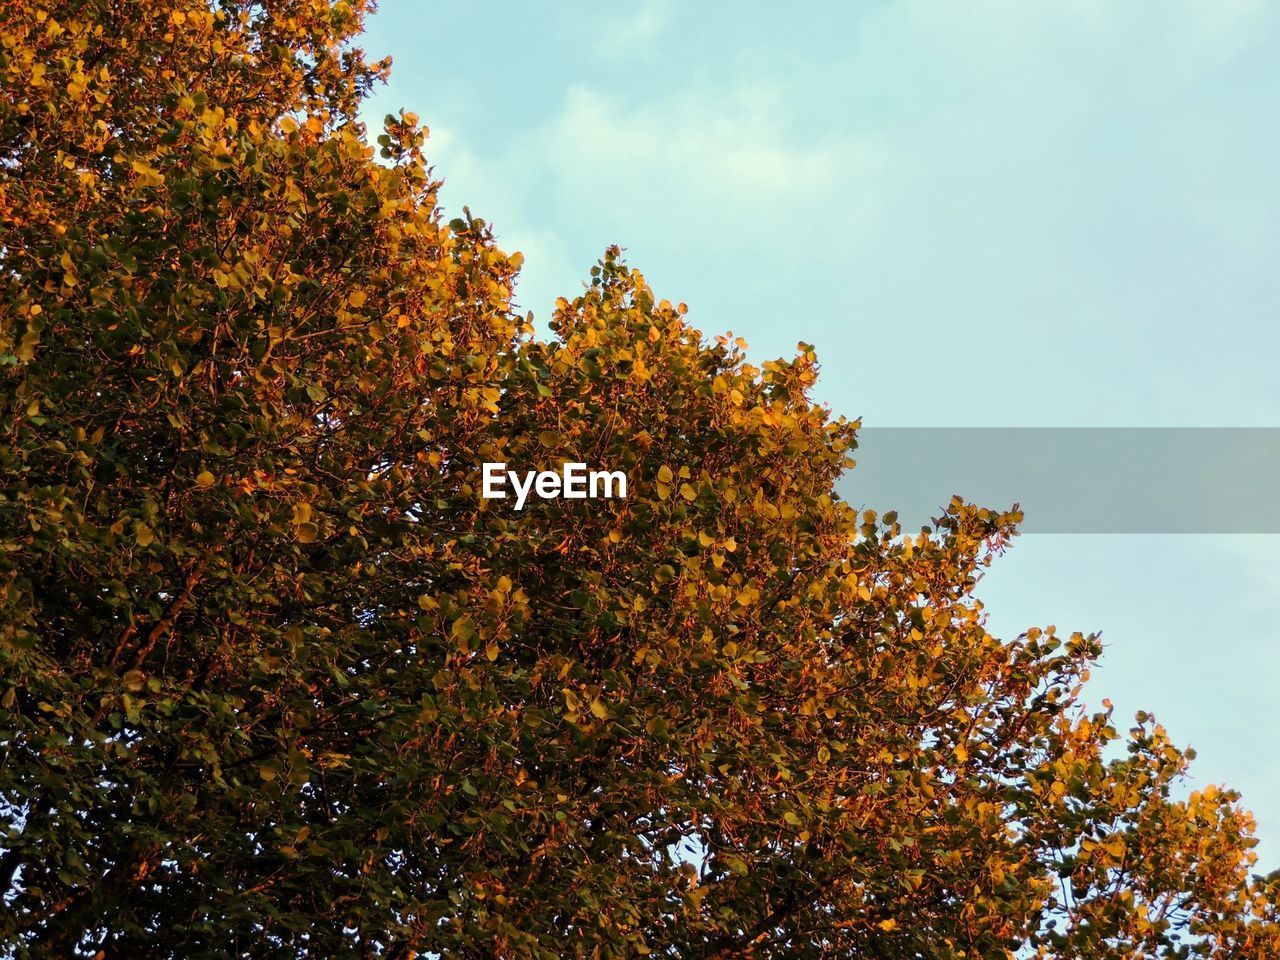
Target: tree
(276, 681)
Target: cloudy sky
(988, 213)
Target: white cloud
(716, 167)
(735, 148)
(623, 31)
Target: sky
(982, 213)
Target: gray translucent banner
(1077, 479)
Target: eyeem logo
(574, 482)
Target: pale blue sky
(982, 213)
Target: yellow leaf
(599, 709)
(148, 176)
(205, 479)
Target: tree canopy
(275, 681)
